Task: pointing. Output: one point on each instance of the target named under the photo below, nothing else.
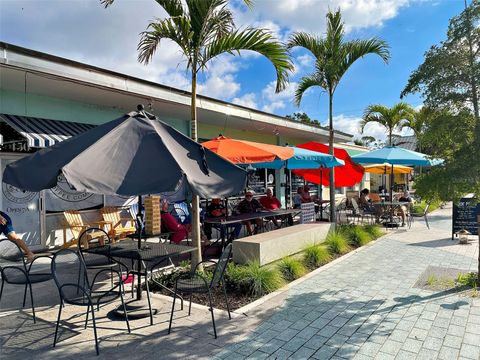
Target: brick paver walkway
(364, 306)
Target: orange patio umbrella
(387, 168)
(247, 152)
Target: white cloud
(275, 101)
(305, 60)
(351, 125)
(274, 105)
(248, 100)
(309, 15)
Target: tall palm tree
(203, 30)
(391, 118)
(333, 57)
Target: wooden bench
(273, 245)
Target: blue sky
(83, 30)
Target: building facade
(45, 99)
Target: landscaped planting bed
(247, 283)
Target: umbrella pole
(391, 195)
(139, 231)
(290, 185)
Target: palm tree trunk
(196, 238)
(330, 151)
(390, 137)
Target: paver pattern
(364, 306)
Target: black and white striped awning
(44, 132)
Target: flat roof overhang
(62, 78)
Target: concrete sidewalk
(363, 306)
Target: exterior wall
(17, 103)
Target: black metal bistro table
(149, 252)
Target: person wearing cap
(6, 228)
(249, 205)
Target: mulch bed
(235, 299)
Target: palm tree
(391, 118)
(418, 122)
(203, 30)
(333, 57)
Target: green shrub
(337, 243)
(261, 280)
(357, 236)
(291, 268)
(235, 277)
(468, 279)
(316, 255)
(375, 231)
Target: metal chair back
(70, 275)
(93, 238)
(221, 266)
(12, 263)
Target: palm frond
(173, 8)
(335, 30)
(257, 40)
(373, 118)
(106, 3)
(310, 42)
(356, 49)
(304, 84)
(178, 31)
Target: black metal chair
(70, 275)
(14, 270)
(412, 215)
(92, 238)
(197, 283)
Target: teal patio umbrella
(395, 156)
(302, 159)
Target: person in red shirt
(270, 202)
(170, 224)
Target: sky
(83, 30)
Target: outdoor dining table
(388, 208)
(235, 219)
(149, 252)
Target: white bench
(273, 245)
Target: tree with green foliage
(303, 118)
(450, 74)
(203, 30)
(448, 79)
(333, 57)
(391, 118)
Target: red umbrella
(347, 175)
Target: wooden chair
(74, 222)
(118, 226)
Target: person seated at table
(406, 198)
(306, 198)
(365, 203)
(270, 202)
(214, 210)
(298, 198)
(6, 228)
(250, 205)
(170, 224)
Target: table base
(136, 309)
(392, 224)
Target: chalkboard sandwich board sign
(464, 215)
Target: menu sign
(465, 215)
